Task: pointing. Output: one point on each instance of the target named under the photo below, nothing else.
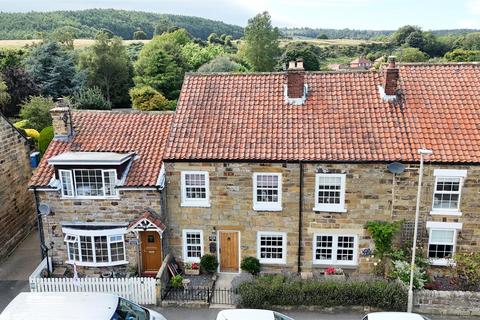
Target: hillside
(121, 22)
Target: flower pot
(192, 272)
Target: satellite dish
(44, 209)
(396, 167)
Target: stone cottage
(17, 209)
(288, 167)
(103, 179)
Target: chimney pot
(291, 65)
(392, 62)
(295, 79)
(391, 77)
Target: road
(210, 314)
(16, 269)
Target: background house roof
(123, 132)
(245, 117)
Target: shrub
(176, 281)
(209, 263)
(32, 133)
(36, 110)
(250, 264)
(46, 136)
(401, 271)
(267, 291)
(90, 98)
(146, 98)
(382, 233)
(468, 270)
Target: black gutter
(300, 221)
(39, 223)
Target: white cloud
(473, 6)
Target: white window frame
(330, 207)
(334, 260)
(267, 206)
(284, 247)
(186, 258)
(441, 226)
(448, 173)
(186, 202)
(70, 174)
(108, 233)
(74, 184)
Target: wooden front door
(228, 251)
(151, 251)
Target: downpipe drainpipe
(39, 223)
(300, 220)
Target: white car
(394, 316)
(253, 314)
(75, 306)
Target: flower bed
(267, 291)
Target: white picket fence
(136, 289)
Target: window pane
(193, 244)
(110, 179)
(101, 249)
(442, 236)
(267, 188)
(271, 247)
(324, 248)
(73, 251)
(329, 190)
(117, 251)
(89, 182)
(195, 186)
(66, 179)
(86, 247)
(346, 248)
(440, 251)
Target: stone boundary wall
(454, 303)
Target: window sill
(442, 262)
(445, 213)
(267, 208)
(190, 260)
(90, 198)
(324, 209)
(272, 262)
(195, 204)
(94, 264)
(321, 264)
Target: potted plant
(192, 269)
(332, 273)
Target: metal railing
(205, 294)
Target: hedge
(267, 291)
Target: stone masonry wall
(129, 206)
(372, 193)
(17, 209)
(451, 303)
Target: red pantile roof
(142, 133)
(245, 117)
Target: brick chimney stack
(391, 77)
(295, 79)
(62, 120)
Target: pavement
(211, 314)
(16, 269)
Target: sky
(353, 14)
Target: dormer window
(89, 183)
(91, 174)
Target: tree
(146, 98)
(462, 55)
(53, 69)
(261, 43)
(139, 35)
(90, 98)
(133, 50)
(308, 52)
(108, 67)
(65, 35)
(322, 36)
(221, 64)
(36, 110)
(163, 25)
(10, 58)
(4, 95)
(400, 36)
(20, 85)
(213, 38)
(412, 55)
(195, 55)
(161, 64)
(472, 41)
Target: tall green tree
(109, 68)
(139, 35)
(472, 41)
(36, 110)
(163, 25)
(53, 69)
(400, 36)
(20, 86)
(261, 43)
(4, 95)
(65, 35)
